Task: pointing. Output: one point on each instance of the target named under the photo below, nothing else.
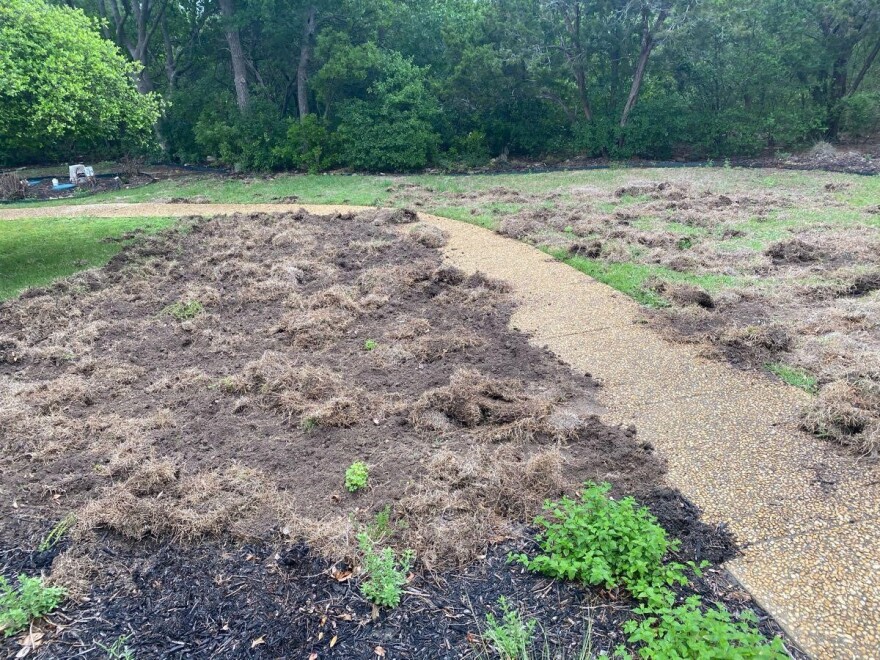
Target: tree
(64, 88)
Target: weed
(32, 599)
(385, 577)
(356, 476)
(600, 541)
(308, 424)
(57, 533)
(370, 344)
(794, 376)
(511, 636)
(184, 310)
(687, 631)
(381, 525)
(119, 649)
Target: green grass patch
(794, 376)
(463, 214)
(630, 278)
(36, 251)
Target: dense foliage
(64, 89)
(401, 84)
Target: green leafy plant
(356, 476)
(600, 541)
(510, 636)
(184, 310)
(32, 599)
(119, 649)
(687, 631)
(370, 345)
(57, 533)
(384, 575)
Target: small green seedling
(511, 636)
(356, 476)
(184, 310)
(31, 600)
(308, 424)
(119, 649)
(370, 344)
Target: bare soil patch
(195, 405)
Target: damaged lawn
(770, 271)
(254, 436)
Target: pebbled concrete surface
(806, 515)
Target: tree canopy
(401, 84)
(64, 88)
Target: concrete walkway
(805, 514)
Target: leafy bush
(860, 114)
(63, 87)
(384, 576)
(308, 145)
(392, 129)
(687, 631)
(600, 541)
(511, 636)
(31, 600)
(245, 141)
(356, 476)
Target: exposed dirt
(214, 383)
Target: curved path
(805, 515)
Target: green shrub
(308, 145)
(384, 577)
(245, 141)
(356, 476)
(687, 631)
(32, 599)
(511, 636)
(600, 541)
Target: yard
(211, 442)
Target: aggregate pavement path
(805, 514)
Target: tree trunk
(239, 65)
(642, 65)
(302, 71)
(865, 67)
(836, 93)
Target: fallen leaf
(333, 641)
(379, 651)
(340, 576)
(258, 641)
(313, 656)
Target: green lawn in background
(37, 251)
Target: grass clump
(511, 636)
(371, 345)
(689, 631)
(119, 649)
(385, 576)
(600, 541)
(356, 476)
(794, 376)
(31, 600)
(57, 533)
(184, 310)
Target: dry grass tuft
(845, 412)
(472, 400)
(794, 251)
(314, 395)
(772, 337)
(468, 499)
(429, 235)
(159, 501)
(313, 329)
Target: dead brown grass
(845, 412)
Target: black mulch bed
(280, 601)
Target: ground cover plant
(201, 458)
